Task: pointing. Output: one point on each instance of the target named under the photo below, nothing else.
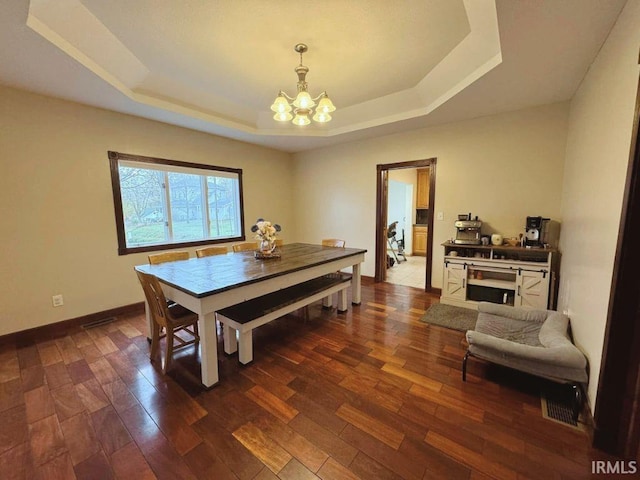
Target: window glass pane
(143, 206)
(185, 194)
(160, 203)
(224, 208)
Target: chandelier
(302, 105)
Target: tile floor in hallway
(410, 273)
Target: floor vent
(559, 410)
(98, 323)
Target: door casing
(382, 184)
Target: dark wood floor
(371, 394)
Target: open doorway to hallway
(410, 273)
(404, 244)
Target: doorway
(409, 220)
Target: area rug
(448, 316)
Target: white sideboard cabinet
(521, 277)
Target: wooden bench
(244, 317)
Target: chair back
(155, 298)
(333, 242)
(157, 258)
(243, 247)
(210, 251)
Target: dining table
(206, 285)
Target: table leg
(208, 348)
(229, 339)
(342, 300)
(147, 314)
(356, 285)
(327, 302)
(245, 351)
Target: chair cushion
(524, 314)
(519, 331)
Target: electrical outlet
(440, 215)
(57, 300)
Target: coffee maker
(535, 232)
(467, 230)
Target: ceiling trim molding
(72, 28)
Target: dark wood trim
(117, 201)
(617, 413)
(382, 182)
(114, 157)
(382, 179)
(59, 329)
(171, 246)
(432, 202)
(166, 161)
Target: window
(165, 203)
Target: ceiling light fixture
(303, 104)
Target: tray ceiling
(388, 66)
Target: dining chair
(158, 258)
(333, 242)
(164, 257)
(173, 318)
(210, 251)
(243, 247)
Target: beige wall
(501, 168)
(405, 175)
(58, 227)
(409, 176)
(598, 148)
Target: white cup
(496, 239)
(453, 254)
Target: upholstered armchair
(532, 341)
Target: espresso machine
(467, 231)
(535, 232)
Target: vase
(267, 246)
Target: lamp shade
(321, 117)
(325, 105)
(280, 104)
(282, 116)
(303, 100)
(301, 119)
